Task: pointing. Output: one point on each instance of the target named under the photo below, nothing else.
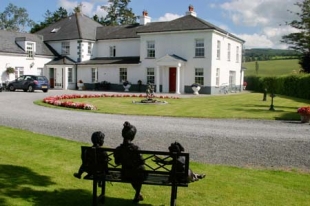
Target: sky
(261, 23)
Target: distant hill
(269, 54)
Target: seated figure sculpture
(180, 164)
(132, 162)
(97, 139)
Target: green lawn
(240, 105)
(37, 170)
(272, 67)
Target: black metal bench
(158, 173)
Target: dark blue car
(29, 83)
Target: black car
(29, 83)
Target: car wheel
(45, 90)
(11, 88)
(30, 88)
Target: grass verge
(36, 170)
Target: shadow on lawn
(18, 182)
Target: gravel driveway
(259, 143)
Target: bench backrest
(92, 159)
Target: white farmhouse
(171, 55)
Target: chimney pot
(190, 8)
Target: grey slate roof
(112, 60)
(118, 32)
(60, 60)
(76, 26)
(8, 44)
(185, 23)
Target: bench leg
(174, 190)
(95, 192)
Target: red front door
(172, 78)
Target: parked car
(29, 83)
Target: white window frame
(65, 48)
(150, 76)
(237, 54)
(94, 75)
(70, 75)
(228, 51)
(199, 48)
(217, 77)
(19, 71)
(112, 51)
(218, 50)
(199, 76)
(122, 75)
(89, 48)
(150, 49)
(232, 78)
(30, 49)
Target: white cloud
(265, 17)
(169, 17)
(89, 8)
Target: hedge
(296, 85)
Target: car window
(20, 78)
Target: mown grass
(272, 67)
(36, 170)
(240, 105)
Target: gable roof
(185, 23)
(8, 43)
(76, 26)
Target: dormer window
(55, 30)
(30, 49)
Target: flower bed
(60, 100)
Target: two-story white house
(172, 55)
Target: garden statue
(150, 91)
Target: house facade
(171, 55)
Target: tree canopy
(50, 18)
(300, 40)
(15, 18)
(118, 14)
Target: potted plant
(80, 84)
(10, 70)
(196, 87)
(244, 85)
(304, 114)
(126, 85)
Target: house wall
(124, 47)
(223, 63)
(18, 61)
(74, 48)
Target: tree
(50, 18)
(15, 18)
(118, 13)
(300, 40)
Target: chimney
(191, 11)
(144, 19)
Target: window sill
(150, 58)
(200, 57)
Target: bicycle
(224, 89)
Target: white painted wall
(124, 47)
(21, 62)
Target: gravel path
(259, 143)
